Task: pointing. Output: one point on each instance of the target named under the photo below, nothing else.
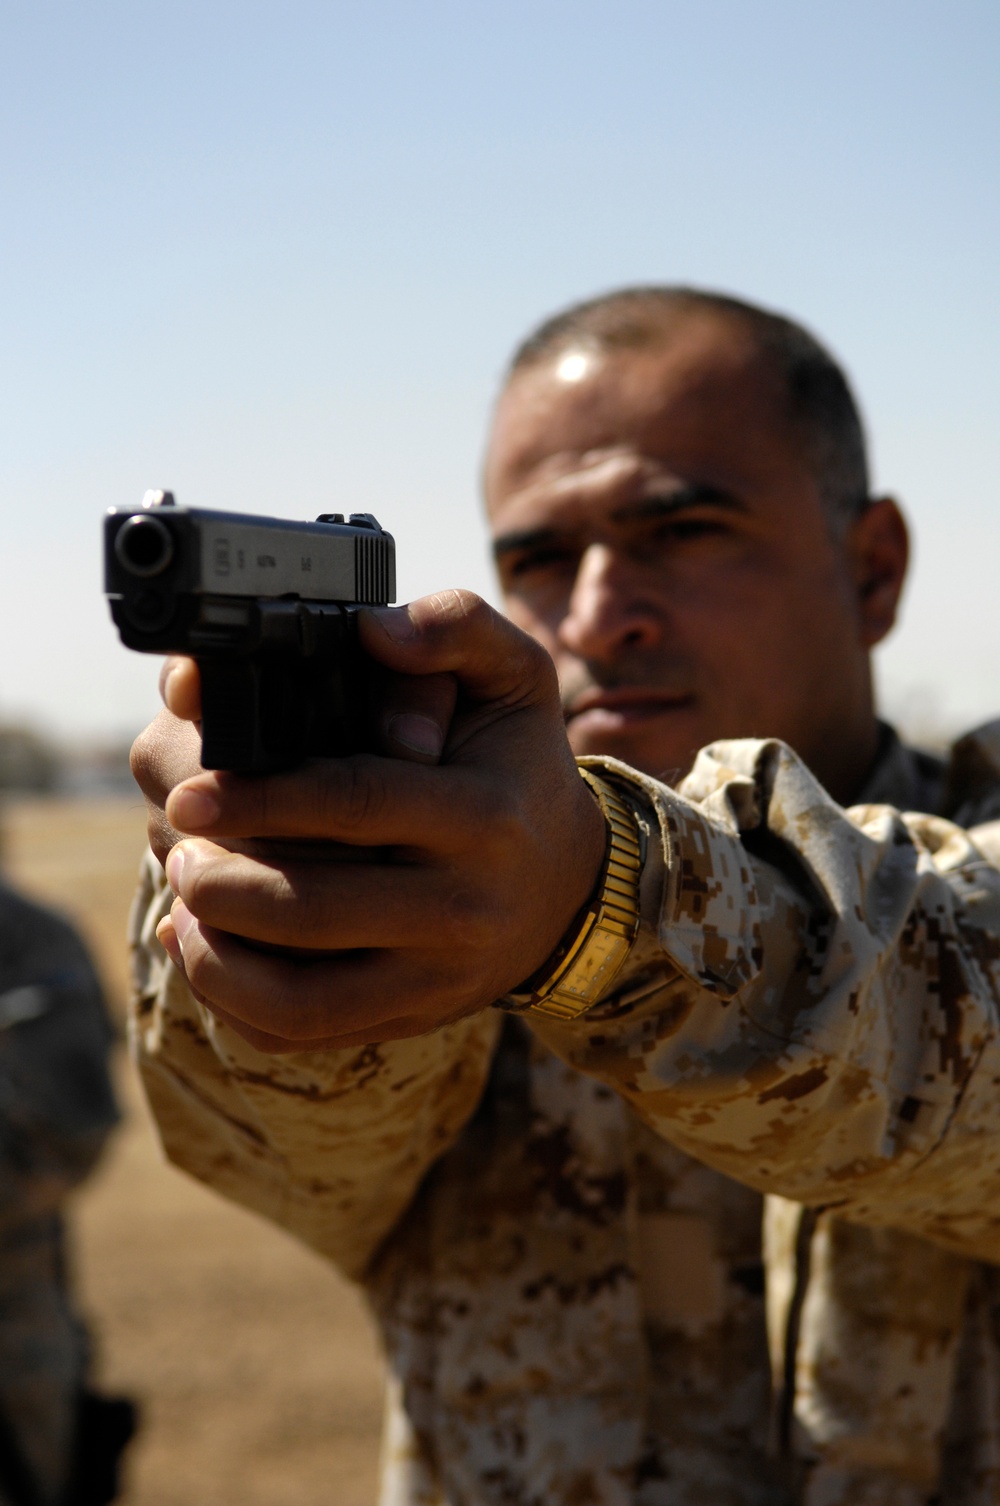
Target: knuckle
(140, 760)
(505, 832)
(200, 890)
(455, 611)
(537, 668)
(159, 834)
(264, 1011)
(359, 800)
(163, 755)
(464, 919)
(458, 603)
(544, 664)
(307, 905)
(218, 886)
(307, 1015)
(450, 996)
(197, 967)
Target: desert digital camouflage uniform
(56, 1108)
(728, 1240)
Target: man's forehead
(706, 383)
(615, 477)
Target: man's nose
(611, 607)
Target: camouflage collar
(965, 786)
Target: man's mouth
(623, 706)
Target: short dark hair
(821, 405)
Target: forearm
(818, 1015)
(332, 1145)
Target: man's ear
(879, 546)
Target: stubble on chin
(667, 765)
(658, 764)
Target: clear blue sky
(274, 256)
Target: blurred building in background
(32, 764)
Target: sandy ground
(254, 1364)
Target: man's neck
(845, 766)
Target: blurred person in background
(657, 1111)
(60, 1442)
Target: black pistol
(267, 608)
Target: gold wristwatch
(581, 969)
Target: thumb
(180, 688)
(456, 632)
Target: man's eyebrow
(674, 499)
(528, 538)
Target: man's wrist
(582, 968)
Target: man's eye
(683, 529)
(519, 566)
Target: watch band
(583, 965)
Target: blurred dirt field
(254, 1364)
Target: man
(60, 1442)
(715, 992)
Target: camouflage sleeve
(330, 1145)
(812, 1007)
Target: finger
(363, 995)
(457, 632)
(167, 937)
(414, 715)
(180, 688)
(323, 906)
(273, 1045)
(364, 799)
(166, 753)
(258, 1039)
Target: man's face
(658, 530)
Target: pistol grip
(233, 720)
(268, 711)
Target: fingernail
(191, 810)
(174, 867)
(395, 622)
(167, 937)
(418, 733)
(182, 920)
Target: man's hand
(411, 722)
(473, 867)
